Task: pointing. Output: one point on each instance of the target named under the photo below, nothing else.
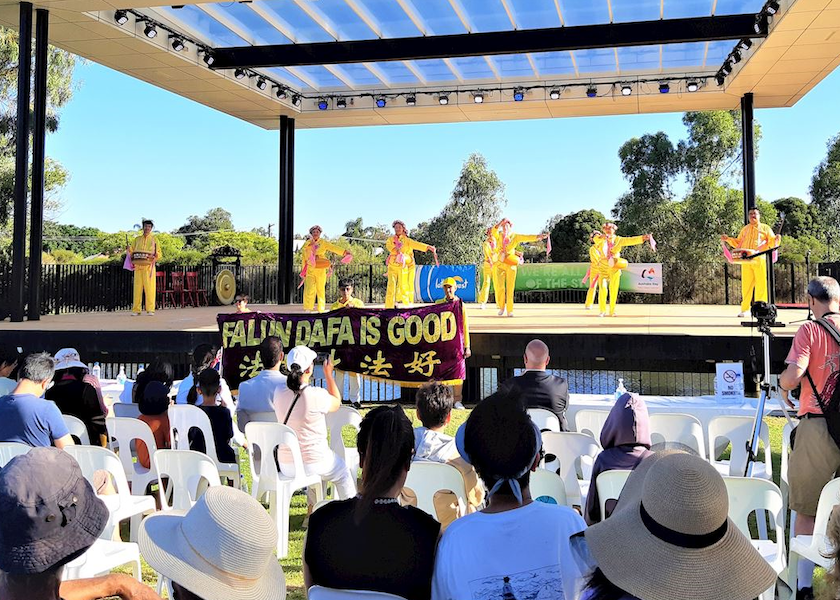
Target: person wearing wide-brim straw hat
(670, 538)
(316, 267)
(221, 549)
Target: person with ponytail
(203, 357)
(370, 542)
(303, 407)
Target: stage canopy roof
(332, 63)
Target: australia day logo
(649, 274)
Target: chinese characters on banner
(407, 346)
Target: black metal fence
(92, 288)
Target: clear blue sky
(135, 150)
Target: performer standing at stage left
(504, 274)
(596, 238)
(754, 237)
(489, 257)
(401, 265)
(315, 268)
(610, 264)
(144, 252)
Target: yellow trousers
(394, 291)
(144, 281)
(486, 278)
(315, 287)
(590, 295)
(753, 279)
(504, 281)
(408, 284)
(609, 285)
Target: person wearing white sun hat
(221, 549)
(76, 393)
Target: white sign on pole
(729, 382)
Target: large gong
(225, 287)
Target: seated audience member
(220, 420)
(25, 416)
(670, 537)
(346, 300)
(203, 357)
(303, 407)
(625, 439)
(370, 542)
(9, 359)
(537, 387)
(434, 409)
(157, 370)
(75, 395)
(241, 302)
(51, 516)
(154, 409)
(257, 395)
(450, 294)
(514, 541)
(221, 549)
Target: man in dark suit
(537, 387)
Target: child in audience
(154, 412)
(209, 385)
(370, 542)
(241, 303)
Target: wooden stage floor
(632, 319)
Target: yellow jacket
(605, 249)
(754, 237)
(490, 251)
(320, 248)
(404, 254)
(509, 250)
(351, 303)
(147, 245)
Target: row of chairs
(184, 288)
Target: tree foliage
(81, 240)
(215, 219)
(825, 196)
(570, 235)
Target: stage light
(758, 27)
(261, 83)
(239, 73)
(411, 100)
(478, 98)
(121, 17)
(726, 69)
(381, 102)
(693, 86)
(341, 103)
(150, 31)
(280, 92)
(746, 43)
(295, 100)
(591, 91)
(518, 95)
(736, 56)
(177, 44)
(664, 88)
(554, 94)
(720, 78)
(626, 90)
(209, 59)
(322, 104)
(443, 99)
(772, 7)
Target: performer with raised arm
(754, 237)
(504, 275)
(489, 256)
(607, 256)
(596, 238)
(316, 267)
(401, 265)
(144, 252)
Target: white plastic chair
(738, 431)
(126, 431)
(544, 419)
(8, 450)
(426, 478)
(609, 485)
(77, 429)
(316, 592)
(591, 422)
(279, 481)
(95, 458)
(126, 410)
(675, 427)
(186, 474)
(184, 417)
(548, 483)
(748, 495)
(784, 480)
(268, 416)
(817, 546)
(570, 448)
(101, 558)
(336, 421)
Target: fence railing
(93, 288)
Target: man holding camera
(145, 252)
(813, 363)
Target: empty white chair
(548, 483)
(8, 450)
(570, 448)
(316, 592)
(544, 419)
(784, 479)
(591, 422)
(675, 427)
(426, 478)
(738, 431)
(276, 479)
(336, 421)
(127, 432)
(183, 476)
(183, 418)
(95, 458)
(101, 558)
(609, 485)
(817, 546)
(77, 429)
(126, 410)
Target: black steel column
(285, 229)
(748, 154)
(18, 294)
(36, 228)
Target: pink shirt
(814, 349)
(308, 422)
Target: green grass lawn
(292, 565)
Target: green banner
(645, 278)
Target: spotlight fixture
(239, 73)
(280, 92)
(443, 99)
(664, 88)
(341, 103)
(381, 101)
(411, 100)
(720, 78)
(295, 100)
(261, 83)
(758, 26)
(554, 94)
(150, 31)
(177, 44)
(591, 91)
(121, 17)
(772, 7)
(626, 89)
(736, 56)
(746, 43)
(518, 95)
(322, 104)
(692, 86)
(478, 98)
(726, 69)
(209, 59)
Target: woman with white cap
(75, 394)
(303, 407)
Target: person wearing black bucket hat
(51, 516)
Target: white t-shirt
(522, 553)
(308, 422)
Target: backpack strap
(832, 330)
(297, 397)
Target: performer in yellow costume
(596, 239)
(347, 300)
(608, 263)
(145, 252)
(450, 294)
(489, 253)
(504, 274)
(754, 237)
(315, 267)
(401, 265)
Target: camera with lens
(764, 312)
